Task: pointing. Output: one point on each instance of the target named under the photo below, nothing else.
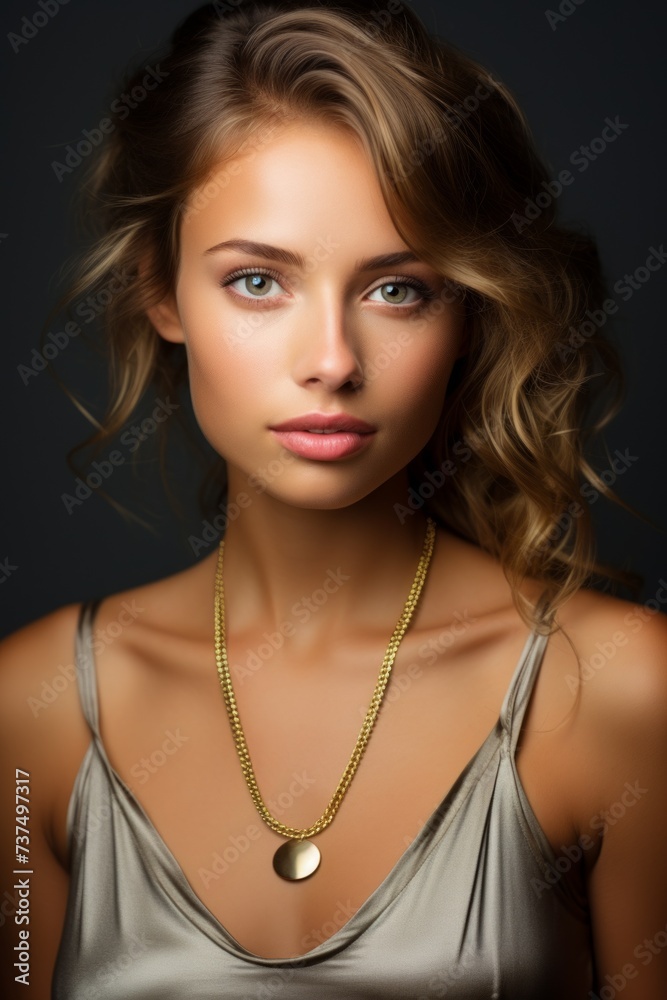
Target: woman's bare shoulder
(37, 661)
(618, 680)
(42, 737)
(602, 701)
(42, 726)
(42, 730)
(620, 643)
(617, 762)
(36, 666)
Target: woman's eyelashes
(256, 285)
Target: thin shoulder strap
(85, 664)
(521, 687)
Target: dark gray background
(603, 60)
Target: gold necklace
(299, 857)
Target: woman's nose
(327, 350)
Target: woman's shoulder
(600, 629)
(621, 645)
(616, 674)
(43, 734)
(602, 698)
(37, 661)
(36, 665)
(614, 759)
(40, 704)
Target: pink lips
(344, 435)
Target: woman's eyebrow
(386, 260)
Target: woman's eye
(397, 293)
(255, 283)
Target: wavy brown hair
(457, 164)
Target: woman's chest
(180, 761)
(459, 911)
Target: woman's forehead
(309, 185)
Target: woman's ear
(164, 315)
(166, 319)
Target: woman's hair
(466, 190)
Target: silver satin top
(474, 908)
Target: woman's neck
(317, 568)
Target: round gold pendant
(296, 859)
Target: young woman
(382, 739)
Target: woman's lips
(323, 447)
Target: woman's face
(311, 326)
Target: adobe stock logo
(565, 10)
(31, 25)
(121, 107)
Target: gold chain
(371, 714)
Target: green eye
(258, 283)
(395, 287)
(255, 282)
(398, 291)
